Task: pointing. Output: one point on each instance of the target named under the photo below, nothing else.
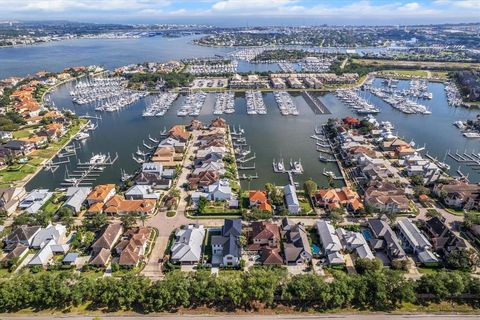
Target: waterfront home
(202, 179)
(393, 144)
(458, 194)
(38, 141)
(23, 235)
(101, 194)
(187, 248)
(195, 125)
(443, 239)
(415, 242)
(10, 198)
(291, 199)
(226, 248)
(118, 205)
(294, 83)
(101, 248)
(416, 165)
(220, 190)
(378, 169)
(76, 198)
(218, 123)
(139, 192)
(217, 166)
(34, 200)
(355, 242)
(165, 155)
(19, 147)
(385, 240)
(258, 199)
(179, 132)
(56, 232)
(351, 122)
(278, 83)
(330, 242)
(209, 152)
(387, 197)
(133, 248)
(264, 239)
(53, 131)
(171, 142)
(296, 246)
(337, 198)
(152, 167)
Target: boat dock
(87, 172)
(316, 104)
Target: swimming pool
(367, 234)
(315, 249)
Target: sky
(246, 12)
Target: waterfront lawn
(305, 206)
(215, 208)
(410, 73)
(18, 172)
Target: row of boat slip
(285, 103)
(353, 99)
(419, 89)
(454, 97)
(224, 103)
(193, 104)
(287, 67)
(255, 104)
(295, 166)
(159, 104)
(120, 101)
(215, 68)
(94, 89)
(400, 102)
(247, 54)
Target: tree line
(371, 289)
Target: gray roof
(290, 195)
(188, 244)
(412, 234)
(77, 196)
(382, 230)
(232, 227)
(328, 237)
(71, 257)
(22, 234)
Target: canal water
(270, 136)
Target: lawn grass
(416, 73)
(21, 134)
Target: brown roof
(179, 132)
(101, 259)
(108, 237)
(265, 230)
(271, 256)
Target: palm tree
(143, 218)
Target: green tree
(310, 187)
(463, 260)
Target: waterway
(271, 136)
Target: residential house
(258, 199)
(140, 192)
(76, 198)
(338, 198)
(331, 244)
(355, 242)
(226, 248)
(34, 200)
(101, 194)
(264, 239)
(23, 235)
(387, 197)
(14, 252)
(56, 232)
(101, 248)
(187, 248)
(179, 132)
(459, 194)
(133, 249)
(178, 146)
(220, 190)
(19, 146)
(10, 198)
(444, 240)
(217, 166)
(384, 239)
(203, 179)
(117, 205)
(296, 246)
(50, 241)
(291, 199)
(218, 123)
(414, 241)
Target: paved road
(376, 316)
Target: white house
(34, 200)
(220, 190)
(187, 248)
(291, 199)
